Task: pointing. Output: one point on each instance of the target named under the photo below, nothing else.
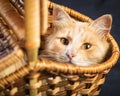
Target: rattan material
(47, 78)
(10, 14)
(11, 56)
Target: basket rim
(74, 69)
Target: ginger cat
(75, 42)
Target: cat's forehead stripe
(79, 32)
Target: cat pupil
(64, 41)
(87, 46)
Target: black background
(94, 9)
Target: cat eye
(86, 46)
(64, 41)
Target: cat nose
(70, 55)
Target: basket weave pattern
(33, 77)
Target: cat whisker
(51, 55)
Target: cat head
(76, 42)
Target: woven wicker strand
(13, 77)
(71, 12)
(44, 16)
(9, 36)
(13, 58)
(19, 5)
(10, 14)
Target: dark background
(94, 9)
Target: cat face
(76, 42)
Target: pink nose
(70, 55)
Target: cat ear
(102, 25)
(60, 17)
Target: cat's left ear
(60, 17)
(102, 25)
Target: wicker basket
(22, 74)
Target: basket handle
(36, 16)
(32, 29)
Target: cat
(76, 42)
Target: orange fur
(76, 42)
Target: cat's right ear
(60, 17)
(102, 25)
